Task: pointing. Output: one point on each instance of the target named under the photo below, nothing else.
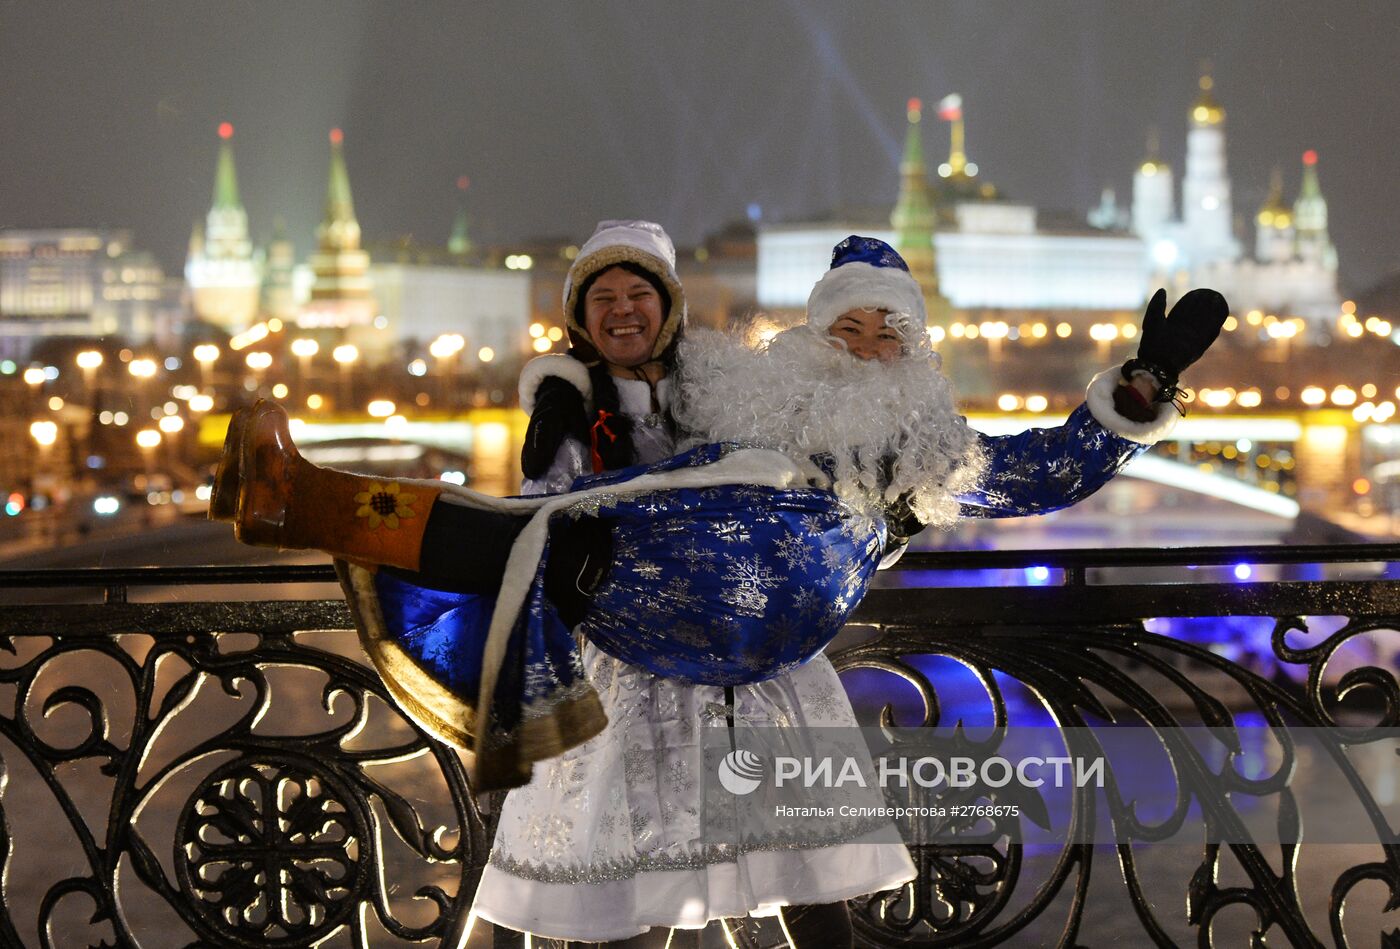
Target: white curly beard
(804, 395)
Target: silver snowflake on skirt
(795, 551)
(647, 569)
(697, 557)
(833, 559)
(807, 603)
(749, 577)
(732, 532)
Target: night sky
(562, 113)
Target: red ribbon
(600, 425)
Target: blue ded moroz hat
(865, 272)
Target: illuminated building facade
(87, 283)
(987, 253)
(221, 269)
(488, 307)
(993, 254)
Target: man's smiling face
(622, 314)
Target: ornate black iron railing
(229, 772)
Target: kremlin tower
(913, 215)
(1205, 188)
(1310, 218)
(1274, 234)
(220, 269)
(459, 243)
(1154, 196)
(341, 294)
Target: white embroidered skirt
(606, 841)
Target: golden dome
(1207, 111)
(1275, 213)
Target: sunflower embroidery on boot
(384, 504)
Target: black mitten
(558, 413)
(1170, 343)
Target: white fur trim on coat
(1099, 398)
(560, 366)
(859, 284)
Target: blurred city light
(44, 432)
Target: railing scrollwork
(234, 768)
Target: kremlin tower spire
(225, 178)
(1273, 239)
(1310, 217)
(913, 216)
(950, 109)
(1205, 189)
(221, 272)
(341, 294)
(459, 244)
(1154, 195)
(338, 231)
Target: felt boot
(223, 499)
(285, 501)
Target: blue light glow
(1243, 571)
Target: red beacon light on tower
(337, 136)
(226, 130)
(1310, 157)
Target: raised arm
(1124, 412)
